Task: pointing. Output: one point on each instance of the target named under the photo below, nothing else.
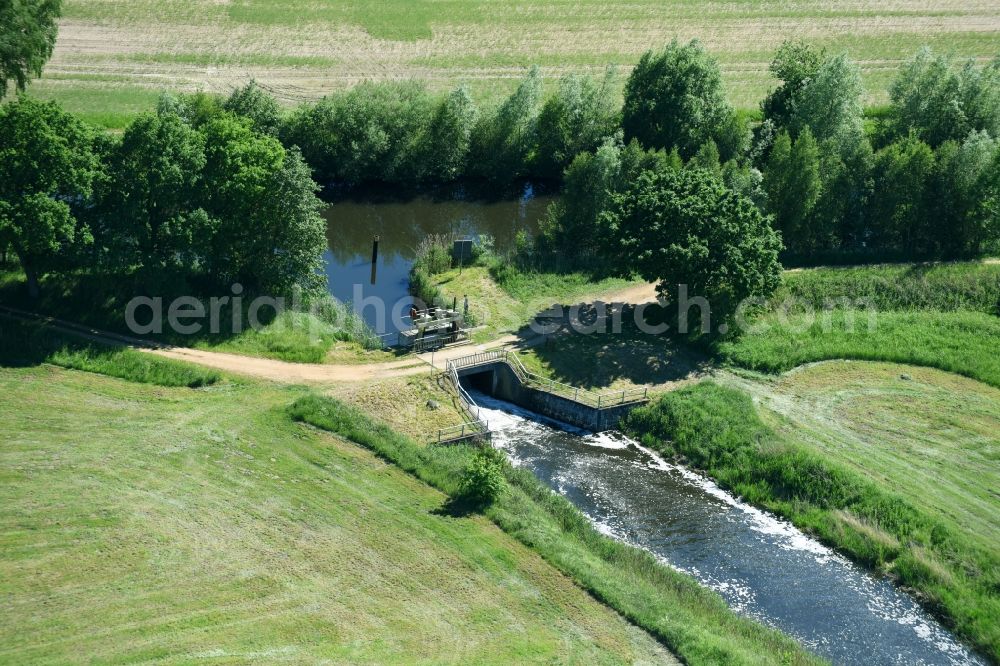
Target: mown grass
(717, 429)
(291, 335)
(942, 286)
(140, 523)
(693, 621)
(962, 342)
(23, 343)
(508, 306)
(488, 45)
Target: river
(400, 226)
(762, 566)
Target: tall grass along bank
(692, 621)
(970, 285)
(717, 429)
(962, 342)
(23, 343)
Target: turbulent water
(762, 566)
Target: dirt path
(283, 371)
(295, 373)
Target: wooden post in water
(374, 258)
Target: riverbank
(692, 621)
(892, 497)
(146, 523)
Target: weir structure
(501, 374)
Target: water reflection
(400, 226)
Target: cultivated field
(187, 525)
(114, 55)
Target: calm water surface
(762, 566)
(400, 226)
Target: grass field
(945, 286)
(962, 342)
(140, 523)
(893, 465)
(113, 55)
(933, 438)
(693, 621)
(509, 308)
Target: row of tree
(188, 198)
(920, 180)
(399, 133)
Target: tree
(287, 241)
(196, 109)
(150, 204)
(372, 132)
(684, 227)
(573, 221)
(270, 236)
(46, 165)
(707, 158)
(501, 142)
(964, 178)
(939, 102)
(792, 182)
(795, 64)
(829, 104)
(577, 118)
(27, 36)
(674, 98)
(445, 146)
(255, 103)
(899, 206)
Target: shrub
(484, 481)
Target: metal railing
(574, 393)
(476, 427)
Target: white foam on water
(507, 421)
(786, 535)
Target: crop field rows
(115, 53)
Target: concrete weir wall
(499, 380)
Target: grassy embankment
(693, 621)
(23, 343)
(298, 337)
(142, 523)
(509, 307)
(942, 316)
(899, 475)
(112, 58)
(939, 315)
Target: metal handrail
(575, 393)
(476, 424)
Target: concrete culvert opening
(479, 381)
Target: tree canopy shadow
(596, 344)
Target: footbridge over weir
(501, 374)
